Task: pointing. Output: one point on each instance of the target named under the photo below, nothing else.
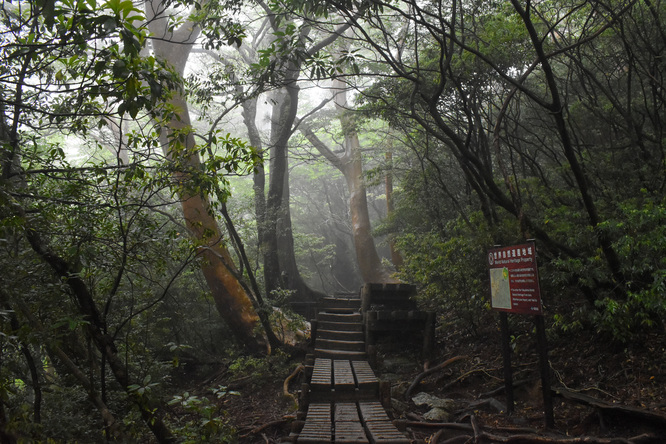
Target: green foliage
(640, 230)
(500, 37)
(316, 255)
(249, 366)
(206, 420)
(219, 21)
(80, 46)
(450, 272)
(79, 67)
(260, 370)
(286, 324)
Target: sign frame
(514, 279)
(514, 284)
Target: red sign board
(514, 280)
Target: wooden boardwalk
(342, 396)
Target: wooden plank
(317, 428)
(340, 304)
(348, 428)
(343, 376)
(334, 344)
(322, 375)
(319, 411)
(349, 432)
(340, 354)
(378, 426)
(372, 411)
(346, 411)
(384, 432)
(339, 317)
(340, 326)
(365, 377)
(340, 335)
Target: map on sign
(499, 288)
(514, 281)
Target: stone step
(332, 344)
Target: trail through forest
(612, 393)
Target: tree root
(285, 384)
(261, 428)
(481, 436)
(460, 439)
(605, 408)
(473, 433)
(438, 425)
(430, 371)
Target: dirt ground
(621, 375)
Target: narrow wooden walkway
(342, 396)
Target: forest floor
(628, 379)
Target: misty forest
(184, 180)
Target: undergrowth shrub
(450, 271)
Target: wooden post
(542, 345)
(506, 354)
(313, 331)
(385, 394)
(366, 298)
(429, 335)
(370, 322)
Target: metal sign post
(514, 283)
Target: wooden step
(332, 378)
(322, 375)
(317, 428)
(343, 376)
(341, 335)
(348, 428)
(339, 317)
(333, 344)
(349, 423)
(340, 304)
(349, 432)
(365, 376)
(378, 426)
(339, 326)
(340, 354)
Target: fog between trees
(215, 184)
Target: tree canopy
(164, 157)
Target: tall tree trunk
(259, 178)
(291, 276)
(281, 270)
(350, 163)
(232, 301)
(284, 113)
(396, 257)
(369, 262)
